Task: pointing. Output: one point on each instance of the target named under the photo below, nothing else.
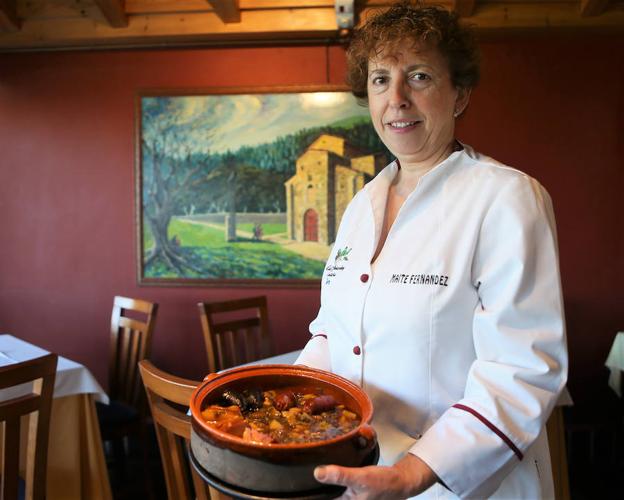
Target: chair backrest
(37, 403)
(235, 331)
(169, 398)
(131, 341)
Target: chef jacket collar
(377, 189)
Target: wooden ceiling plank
(171, 6)
(282, 4)
(9, 22)
(114, 12)
(172, 29)
(142, 7)
(41, 9)
(278, 25)
(525, 16)
(227, 10)
(464, 8)
(593, 7)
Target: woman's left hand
(406, 478)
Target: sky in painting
(219, 123)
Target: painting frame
(142, 200)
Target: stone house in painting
(328, 175)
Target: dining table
(554, 426)
(76, 466)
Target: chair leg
(145, 459)
(592, 446)
(568, 445)
(119, 457)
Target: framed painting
(247, 187)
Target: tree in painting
(171, 171)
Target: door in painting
(310, 225)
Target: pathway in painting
(308, 249)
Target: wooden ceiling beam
(170, 6)
(464, 8)
(518, 16)
(203, 28)
(227, 10)
(277, 21)
(114, 12)
(593, 7)
(9, 22)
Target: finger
(330, 474)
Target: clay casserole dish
(277, 467)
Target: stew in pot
(287, 415)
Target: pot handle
(210, 376)
(366, 437)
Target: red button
(364, 278)
(357, 350)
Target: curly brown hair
(411, 21)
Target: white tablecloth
(615, 363)
(281, 359)
(76, 464)
(71, 377)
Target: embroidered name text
(420, 279)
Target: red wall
(550, 106)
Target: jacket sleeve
(519, 339)
(316, 352)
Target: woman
(442, 296)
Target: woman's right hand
(408, 477)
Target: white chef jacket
(456, 331)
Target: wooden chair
(132, 325)
(233, 337)
(41, 372)
(558, 456)
(169, 398)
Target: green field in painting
(207, 249)
(267, 229)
